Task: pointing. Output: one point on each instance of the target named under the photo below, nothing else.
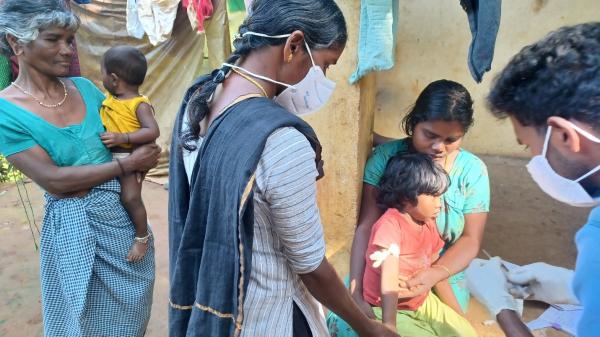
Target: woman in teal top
(436, 125)
(49, 129)
(71, 145)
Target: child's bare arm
(445, 293)
(149, 130)
(389, 290)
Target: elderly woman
(246, 241)
(49, 129)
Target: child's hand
(112, 139)
(421, 282)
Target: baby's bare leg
(131, 198)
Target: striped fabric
(5, 72)
(88, 288)
(288, 237)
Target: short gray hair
(24, 19)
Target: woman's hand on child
(420, 283)
(142, 158)
(112, 139)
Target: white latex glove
(487, 283)
(544, 282)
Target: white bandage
(379, 256)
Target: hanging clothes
(5, 72)
(217, 34)
(157, 18)
(376, 37)
(134, 26)
(484, 21)
(198, 11)
(236, 5)
(248, 4)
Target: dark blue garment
(484, 21)
(211, 220)
(83, 2)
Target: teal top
(469, 192)
(73, 145)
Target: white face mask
(304, 97)
(558, 187)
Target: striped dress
(288, 237)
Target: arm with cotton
(368, 215)
(389, 290)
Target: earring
(289, 59)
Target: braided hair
(321, 21)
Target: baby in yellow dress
(129, 121)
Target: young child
(404, 241)
(129, 121)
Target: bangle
(144, 239)
(443, 267)
(120, 166)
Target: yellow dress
(120, 116)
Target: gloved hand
(487, 283)
(544, 282)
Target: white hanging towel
(157, 18)
(134, 26)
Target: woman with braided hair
(247, 252)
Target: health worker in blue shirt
(550, 91)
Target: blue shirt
(587, 275)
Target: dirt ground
(524, 226)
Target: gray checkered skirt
(88, 287)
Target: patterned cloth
(88, 288)
(5, 72)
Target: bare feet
(137, 251)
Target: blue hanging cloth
(376, 37)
